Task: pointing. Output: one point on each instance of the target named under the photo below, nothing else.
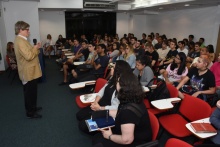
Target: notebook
(99, 123)
(203, 128)
(100, 120)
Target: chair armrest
(150, 144)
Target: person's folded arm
(182, 82)
(96, 66)
(210, 91)
(168, 62)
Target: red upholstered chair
(192, 109)
(99, 84)
(154, 125)
(155, 129)
(173, 142)
(173, 93)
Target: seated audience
(68, 66)
(60, 44)
(138, 50)
(48, 46)
(202, 42)
(11, 54)
(143, 40)
(76, 46)
(132, 123)
(159, 44)
(194, 52)
(115, 52)
(201, 80)
(106, 98)
(211, 52)
(133, 42)
(162, 52)
(182, 48)
(143, 70)
(99, 63)
(152, 54)
(186, 42)
(128, 56)
(170, 56)
(215, 121)
(175, 71)
(203, 51)
(215, 68)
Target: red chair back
(194, 108)
(105, 72)
(172, 142)
(154, 125)
(173, 91)
(99, 84)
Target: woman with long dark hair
(177, 70)
(106, 98)
(143, 70)
(132, 123)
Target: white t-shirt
(184, 51)
(173, 76)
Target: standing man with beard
(29, 69)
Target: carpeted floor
(57, 128)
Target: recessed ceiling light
(161, 8)
(187, 5)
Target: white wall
(122, 24)
(21, 10)
(140, 25)
(52, 22)
(13, 11)
(2, 39)
(202, 22)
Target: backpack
(160, 92)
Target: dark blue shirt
(103, 61)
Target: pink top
(172, 74)
(215, 68)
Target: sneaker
(61, 69)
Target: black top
(194, 54)
(103, 61)
(85, 53)
(201, 82)
(171, 54)
(153, 56)
(106, 98)
(142, 132)
(139, 52)
(158, 45)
